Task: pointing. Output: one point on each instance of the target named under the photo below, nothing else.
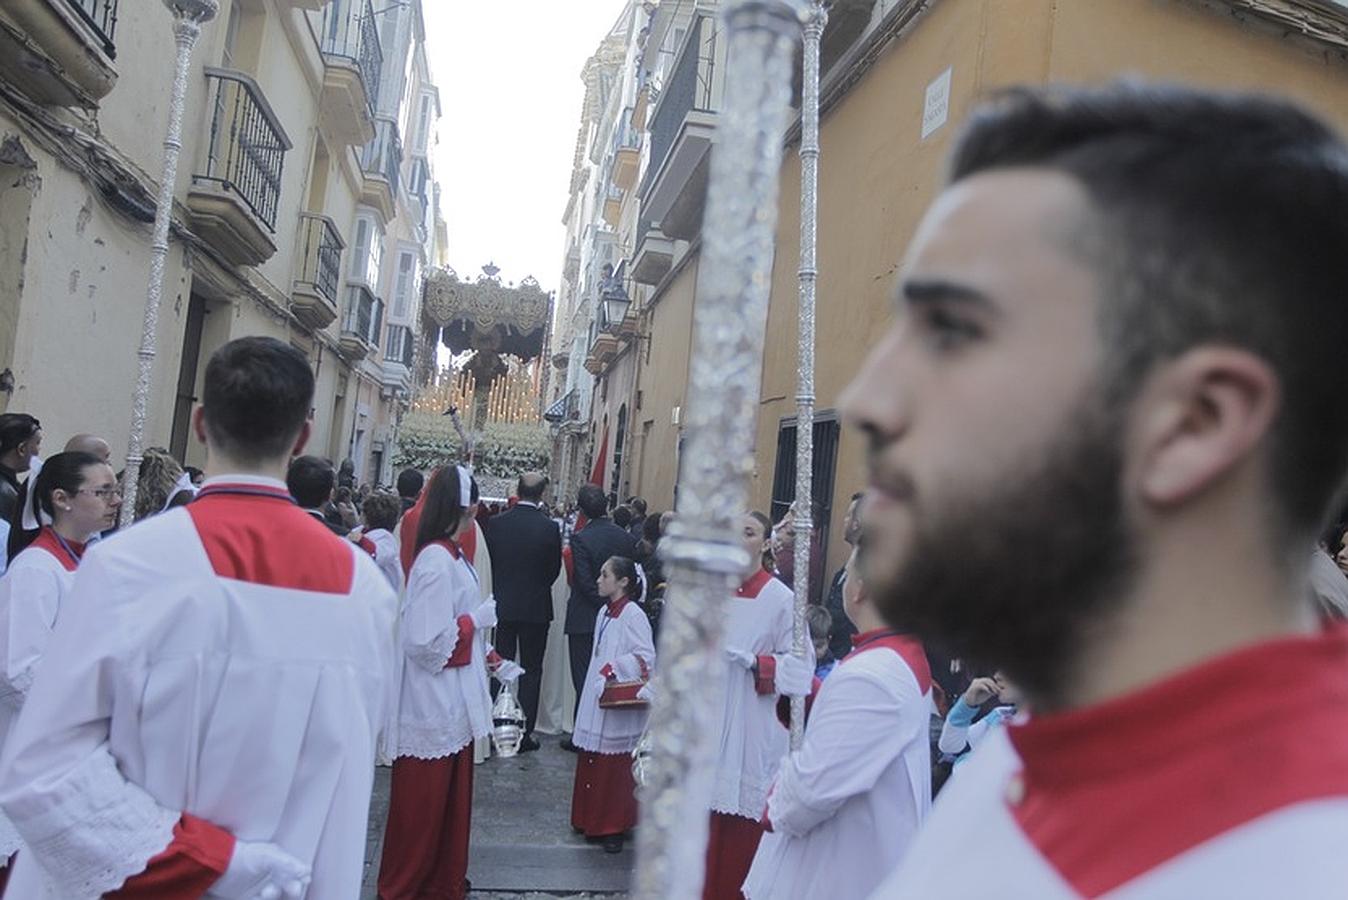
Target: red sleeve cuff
(765, 675)
(463, 650)
(784, 704)
(193, 861)
(607, 671)
(493, 659)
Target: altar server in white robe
(759, 669)
(847, 804)
(77, 497)
(206, 716)
(603, 794)
(381, 512)
(1101, 433)
(444, 702)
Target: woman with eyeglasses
(77, 497)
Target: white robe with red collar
(624, 646)
(1227, 781)
(752, 741)
(225, 660)
(30, 598)
(444, 700)
(848, 803)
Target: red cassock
(603, 798)
(731, 845)
(426, 838)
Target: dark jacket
(526, 556)
(590, 549)
(840, 635)
(9, 493)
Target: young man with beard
(1102, 432)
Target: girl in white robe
(76, 494)
(758, 641)
(444, 702)
(603, 798)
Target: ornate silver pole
(809, 210)
(188, 17)
(703, 551)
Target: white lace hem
(434, 743)
(94, 830)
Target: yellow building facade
(304, 209)
(899, 76)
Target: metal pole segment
(188, 17)
(703, 552)
(809, 200)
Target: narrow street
(523, 844)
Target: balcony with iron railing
(681, 125)
(353, 62)
(314, 297)
(60, 52)
(565, 408)
(399, 354)
(362, 322)
(381, 161)
(236, 189)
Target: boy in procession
(205, 719)
(1104, 433)
(846, 805)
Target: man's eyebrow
(924, 291)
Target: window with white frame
(366, 252)
(406, 279)
(424, 122)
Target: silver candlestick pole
(703, 551)
(188, 17)
(809, 217)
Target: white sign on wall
(936, 107)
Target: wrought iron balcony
(236, 191)
(59, 52)
(626, 152)
(400, 346)
(351, 33)
(565, 408)
(382, 160)
(674, 187)
(101, 17)
(362, 322)
(314, 298)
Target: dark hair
(410, 482)
(15, 428)
(624, 568)
(381, 511)
(650, 528)
(622, 516)
(1214, 218)
(256, 398)
(63, 471)
(638, 505)
(310, 480)
(442, 511)
(528, 489)
(193, 472)
(591, 500)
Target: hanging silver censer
(507, 722)
(641, 760)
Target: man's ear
(306, 432)
(199, 424)
(1199, 419)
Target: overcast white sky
(510, 91)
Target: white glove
(647, 693)
(508, 671)
(484, 616)
(261, 871)
(794, 676)
(600, 683)
(740, 658)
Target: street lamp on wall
(614, 297)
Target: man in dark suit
(311, 481)
(590, 549)
(526, 557)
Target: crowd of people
(1076, 602)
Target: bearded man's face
(994, 521)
